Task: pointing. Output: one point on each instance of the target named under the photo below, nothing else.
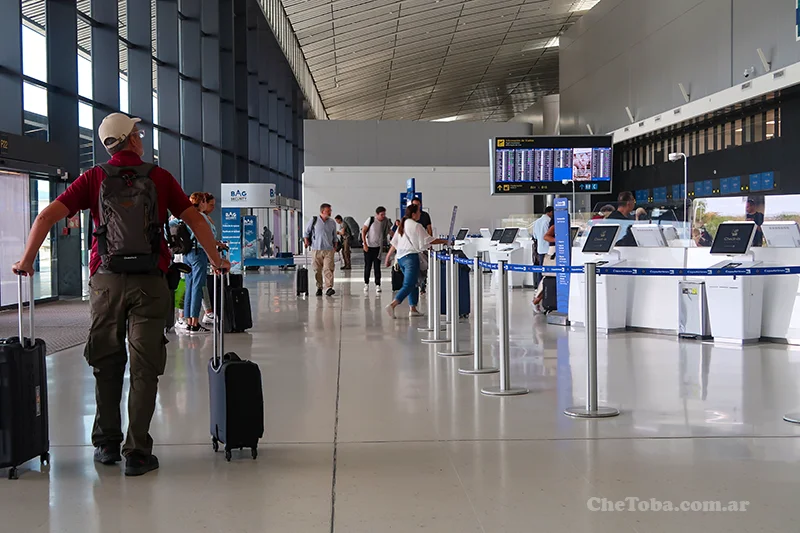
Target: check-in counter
(652, 301)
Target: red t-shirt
(84, 193)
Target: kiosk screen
(733, 238)
(601, 239)
(462, 234)
(498, 233)
(509, 236)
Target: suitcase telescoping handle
(219, 323)
(20, 308)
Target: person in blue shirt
(320, 235)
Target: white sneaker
(366, 288)
(180, 325)
(414, 314)
(208, 318)
(390, 311)
(537, 308)
(378, 289)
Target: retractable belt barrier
(591, 409)
(636, 271)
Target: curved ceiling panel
(432, 59)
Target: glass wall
(15, 222)
(215, 93)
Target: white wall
(357, 191)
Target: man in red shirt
(131, 305)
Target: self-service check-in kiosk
(735, 302)
(612, 291)
(526, 242)
(510, 251)
(464, 244)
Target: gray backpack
(129, 232)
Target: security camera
(746, 73)
(749, 72)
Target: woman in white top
(410, 240)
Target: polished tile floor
(369, 431)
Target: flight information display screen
(542, 164)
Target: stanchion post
(505, 388)
(435, 277)
(477, 325)
(448, 291)
(431, 291)
(453, 306)
(591, 409)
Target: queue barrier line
(646, 271)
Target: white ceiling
(432, 59)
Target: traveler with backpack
(197, 259)
(344, 238)
(374, 234)
(129, 201)
(320, 235)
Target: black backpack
(179, 238)
(129, 231)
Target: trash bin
(693, 320)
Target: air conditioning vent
(778, 75)
(747, 85)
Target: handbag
(423, 262)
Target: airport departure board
(541, 164)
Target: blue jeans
(195, 281)
(410, 267)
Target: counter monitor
(551, 164)
(733, 238)
(462, 234)
(509, 236)
(601, 239)
(648, 236)
(498, 233)
(781, 234)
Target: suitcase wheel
(45, 458)
(228, 455)
(13, 473)
(214, 444)
(254, 453)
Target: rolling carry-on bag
(302, 275)
(241, 316)
(463, 289)
(397, 278)
(550, 300)
(236, 394)
(24, 433)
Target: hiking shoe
(330, 292)
(108, 454)
(137, 464)
(319, 292)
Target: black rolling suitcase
(397, 278)
(237, 398)
(24, 433)
(463, 289)
(302, 276)
(238, 311)
(550, 300)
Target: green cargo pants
(132, 306)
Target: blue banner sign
(563, 252)
(232, 234)
(249, 237)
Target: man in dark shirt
(124, 306)
(424, 217)
(626, 203)
(751, 210)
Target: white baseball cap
(115, 128)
